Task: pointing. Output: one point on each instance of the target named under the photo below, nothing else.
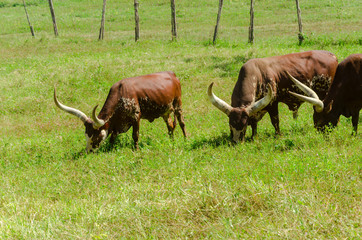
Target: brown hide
(316, 69)
(147, 97)
(149, 94)
(307, 67)
(345, 94)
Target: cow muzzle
(237, 135)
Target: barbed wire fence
(173, 21)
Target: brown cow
(343, 98)
(129, 100)
(314, 68)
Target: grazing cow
(147, 97)
(249, 101)
(343, 98)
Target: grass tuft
(301, 184)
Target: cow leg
(180, 118)
(295, 114)
(135, 133)
(254, 128)
(355, 118)
(294, 108)
(274, 116)
(113, 138)
(170, 124)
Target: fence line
(101, 30)
(173, 21)
(53, 17)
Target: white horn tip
(55, 98)
(95, 108)
(290, 76)
(97, 122)
(209, 90)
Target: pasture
(300, 185)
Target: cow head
(239, 116)
(323, 114)
(95, 131)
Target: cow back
(315, 68)
(149, 94)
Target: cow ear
(328, 108)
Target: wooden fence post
(101, 30)
(173, 20)
(300, 34)
(27, 16)
(53, 17)
(137, 20)
(217, 21)
(251, 27)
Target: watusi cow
(343, 98)
(249, 101)
(130, 100)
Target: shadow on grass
(229, 68)
(120, 143)
(123, 142)
(77, 154)
(215, 142)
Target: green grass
(300, 185)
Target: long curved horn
(70, 110)
(217, 102)
(312, 97)
(97, 123)
(262, 103)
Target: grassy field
(300, 185)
